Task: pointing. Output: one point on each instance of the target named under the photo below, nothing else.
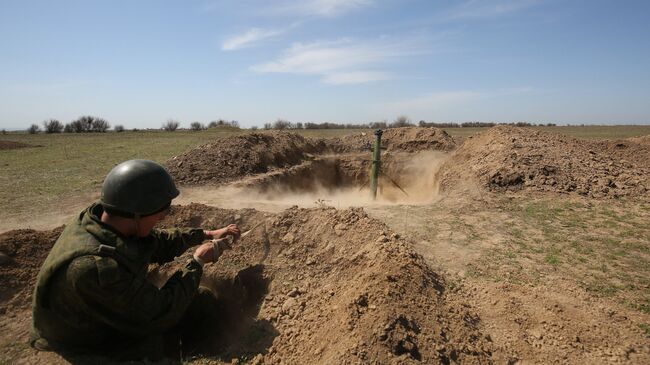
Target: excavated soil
(11, 145)
(229, 159)
(408, 139)
(341, 288)
(508, 158)
(313, 286)
(21, 254)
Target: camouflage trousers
(190, 336)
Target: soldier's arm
(173, 242)
(129, 303)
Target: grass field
(71, 165)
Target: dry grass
(603, 246)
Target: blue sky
(141, 62)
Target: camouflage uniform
(92, 292)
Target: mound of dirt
(339, 288)
(228, 159)
(408, 139)
(11, 145)
(507, 158)
(21, 255)
(302, 286)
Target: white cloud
(252, 36)
(489, 8)
(341, 62)
(325, 8)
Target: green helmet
(138, 188)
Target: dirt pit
(236, 158)
(278, 170)
(343, 181)
(313, 286)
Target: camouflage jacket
(92, 287)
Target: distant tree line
(422, 123)
(281, 124)
(84, 124)
(89, 124)
(401, 121)
(223, 124)
(172, 124)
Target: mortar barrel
(376, 164)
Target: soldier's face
(147, 223)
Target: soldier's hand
(211, 251)
(204, 253)
(230, 230)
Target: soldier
(92, 294)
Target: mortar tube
(376, 164)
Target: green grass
(69, 164)
(601, 288)
(645, 328)
(604, 245)
(552, 259)
(643, 305)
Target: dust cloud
(405, 179)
